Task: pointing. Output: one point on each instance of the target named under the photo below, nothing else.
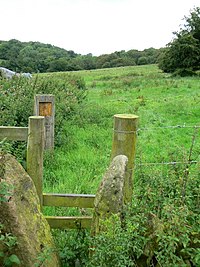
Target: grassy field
(159, 100)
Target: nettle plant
(7, 243)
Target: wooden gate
(124, 138)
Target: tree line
(39, 57)
(181, 56)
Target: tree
(142, 60)
(9, 51)
(182, 55)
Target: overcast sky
(94, 26)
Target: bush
(17, 98)
(17, 103)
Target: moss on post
(124, 143)
(35, 149)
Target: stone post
(109, 198)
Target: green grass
(158, 99)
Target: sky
(94, 26)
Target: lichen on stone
(22, 217)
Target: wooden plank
(68, 200)
(57, 222)
(14, 133)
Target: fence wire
(189, 162)
(167, 163)
(169, 127)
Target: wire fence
(167, 163)
(169, 127)
(179, 126)
(141, 98)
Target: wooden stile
(124, 142)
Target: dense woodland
(38, 57)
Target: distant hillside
(39, 57)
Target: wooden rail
(14, 133)
(68, 200)
(82, 222)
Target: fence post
(35, 149)
(45, 106)
(124, 143)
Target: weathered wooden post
(124, 143)
(35, 149)
(45, 106)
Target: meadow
(167, 107)
(166, 170)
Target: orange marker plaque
(45, 109)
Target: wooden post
(124, 142)
(35, 149)
(45, 106)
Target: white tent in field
(9, 74)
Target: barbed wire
(158, 127)
(174, 198)
(167, 163)
(169, 127)
(158, 100)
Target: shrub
(17, 101)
